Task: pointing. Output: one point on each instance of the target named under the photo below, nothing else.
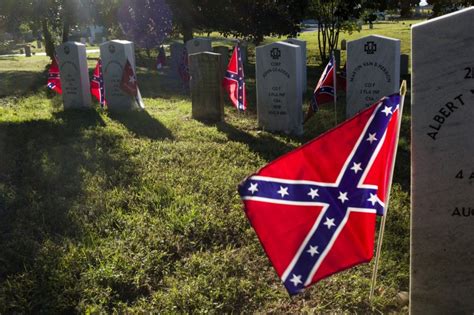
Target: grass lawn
(136, 212)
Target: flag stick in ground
(335, 90)
(403, 90)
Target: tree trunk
(48, 39)
(187, 32)
(65, 31)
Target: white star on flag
(356, 167)
(131, 79)
(313, 193)
(329, 223)
(313, 250)
(373, 199)
(371, 138)
(283, 191)
(253, 188)
(342, 196)
(387, 111)
(296, 280)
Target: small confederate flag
(183, 67)
(97, 84)
(161, 60)
(54, 82)
(234, 80)
(129, 84)
(314, 209)
(129, 81)
(324, 91)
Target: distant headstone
(279, 98)
(83, 40)
(206, 87)
(442, 214)
(337, 58)
(103, 40)
(114, 56)
(404, 65)
(302, 45)
(244, 51)
(27, 50)
(197, 45)
(224, 51)
(91, 40)
(39, 44)
(373, 71)
(74, 75)
(176, 54)
(343, 44)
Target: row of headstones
(373, 71)
(198, 45)
(207, 69)
(72, 62)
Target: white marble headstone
(197, 45)
(302, 44)
(279, 98)
(442, 219)
(114, 56)
(373, 71)
(74, 75)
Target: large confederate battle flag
(314, 209)
(234, 80)
(54, 81)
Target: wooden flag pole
(334, 79)
(403, 90)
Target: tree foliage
(245, 18)
(441, 7)
(146, 22)
(333, 16)
(53, 18)
(255, 19)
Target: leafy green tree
(248, 19)
(254, 20)
(55, 18)
(333, 16)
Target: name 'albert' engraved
(443, 114)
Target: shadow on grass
(163, 84)
(265, 145)
(142, 124)
(46, 168)
(21, 82)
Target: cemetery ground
(139, 211)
